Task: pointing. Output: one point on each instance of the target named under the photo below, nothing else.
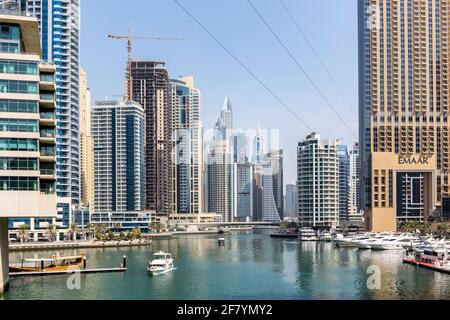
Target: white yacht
(366, 242)
(392, 243)
(325, 236)
(307, 234)
(162, 263)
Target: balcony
(47, 118)
(47, 136)
(47, 99)
(47, 154)
(48, 174)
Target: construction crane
(129, 38)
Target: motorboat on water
(307, 234)
(162, 263)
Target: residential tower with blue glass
(59, 27)
(119, 157)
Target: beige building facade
(404, 101)
(27, 129)
(86, 146)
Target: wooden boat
(46, 265)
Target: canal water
(251, 265)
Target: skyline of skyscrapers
(170, 189)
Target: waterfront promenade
(88, 244)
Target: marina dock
(53, 273)
(430, 266)
(77, 245)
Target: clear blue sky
(330, 25)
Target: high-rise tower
(150, 85)
(118, 136)
(27, 129)
(59, 26)
(403, 103)
(86, 145)
(187, 156)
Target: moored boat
(325, 236)
(52, 264)
(307, 234)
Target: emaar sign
(413, 160)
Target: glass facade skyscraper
(59, 26)
(185, 105)
(119, 157)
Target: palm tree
(51, 231)
(23, 232)
(136, 233)
(73, 231)
(443, 229)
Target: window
(18, 67)
(13, 86)
(18, 164)
(18, 125)
(9, 39)
(18, 184)
(9, 47)
(9, 144)
(18, 106)
(47, 77)
(9, 32)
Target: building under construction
(149, 87)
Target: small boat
(325, 236)
(221, 241)
(48, 265)
(284, 234)
(162, 263)
(307, 234)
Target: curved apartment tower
(318, 182)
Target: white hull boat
(162, 263)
